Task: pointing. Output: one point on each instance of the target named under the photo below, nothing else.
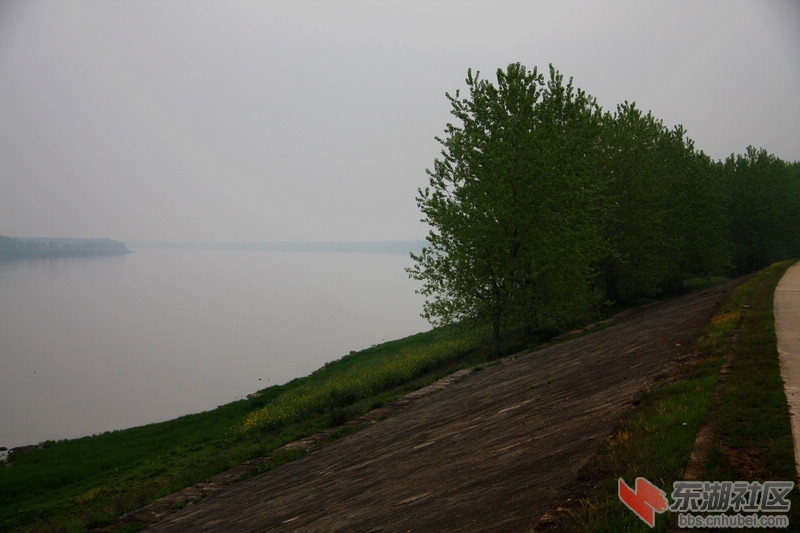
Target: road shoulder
(787, 330)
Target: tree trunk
(496, 339)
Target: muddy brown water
(491, 452)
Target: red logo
(645, 501)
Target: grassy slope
(752, 439)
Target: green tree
(699, 223)
(667, 208)
(639, 206)
(513, 205)
(765, 208)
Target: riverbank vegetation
(77, 484)
(543, 206)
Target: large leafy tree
(513, 204)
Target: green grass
(752, 439)
(656, 440)
(354, 378)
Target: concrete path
(787, 329)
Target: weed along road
(490, 452)
(787, 331)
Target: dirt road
(488, 453)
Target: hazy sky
(299, 120)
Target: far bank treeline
(32, 248)
(543, 206)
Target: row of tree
(542, 206)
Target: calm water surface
(89, 345)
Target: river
(95, 344)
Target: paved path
(787, 329)
(492, 452)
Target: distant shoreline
(45, 247)
(382, 247)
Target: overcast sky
(299, 120)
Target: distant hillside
(382, 247)
(11, 247)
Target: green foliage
(765, 208)
(667, 208)
(541, 206)
(513, 204)
(640, 207)
(354, 379)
